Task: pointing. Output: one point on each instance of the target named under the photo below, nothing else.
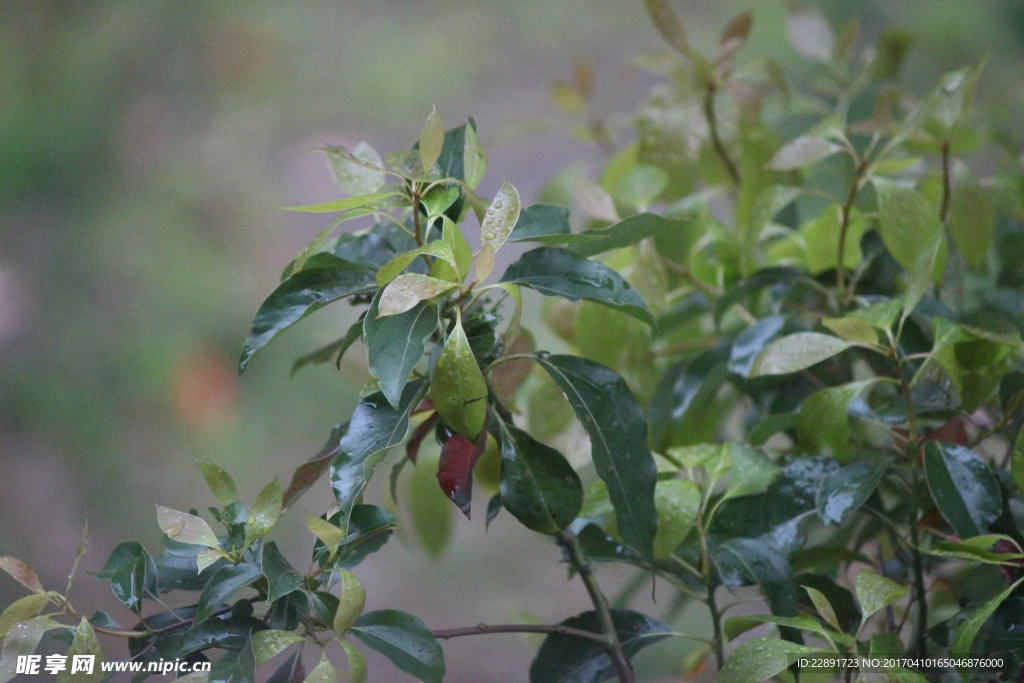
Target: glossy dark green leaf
(374, 428)
(229, 632)
(307, 473)
(323, 279)
(282, 578)
(554, 271)
(538, 485)
(541, 222)
(875, 592)
(744, 561)
(333, 351)
(968, 630)
(617, 426)
(759, 281)
(176, 567)
(963, 487)
(843, 492)
(132, 574)
(458, 387)
(682, 409)
(405, 640)
(235, 667)
(824, 419)
(751, 341)
(599, 546)
(567, 659)
(395, 344)
(224, 583)
(369, 529)
(622, 234)
(772, 425)
(291, 671)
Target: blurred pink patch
(205, 391)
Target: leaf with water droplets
(185, 528)
(358, 172)
(474, 160)
(357, 672)
(500, 217)
(405, 640)
(758, 659)
(458, 387)
(268, 644)
(875, 592)
(350, 603)
(391, 270)
(796, 352)
(963, 487)
(405, 291)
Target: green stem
(844, 228)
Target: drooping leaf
(395, 344)
(759, 659)
(459, 456)
(307, 473)
(963, 487)
(875, 592)
(281, 577)
(567, 659)
(555, 271)
(796, 352)
(405, 640)
(325, 278)
(538, 485)
(617, 427)
(374, 428)
(225, 582)
(406, 291)
(846, 490)
(350, 603)
(458, 387)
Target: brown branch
(947, 182)
(844, 227)
(484, 629)
(716, 140)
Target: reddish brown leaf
(953, 431)
(24, 574)
(455, 469)
(307, 473)
(412, 448)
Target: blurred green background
(144, 148)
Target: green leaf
(22, 640)
(405, 640)
(185, 528)
(623, 234)
(458, 387)
(978, 549)
(474, 159)
(567, 659)
(268, 644)
(759, 659)
(856, 330)
(971, 218)
(350, 603)
(554, 271)
(875, 592)
(805, 150)
(395, 344)
(456, 241)
(220, 483)
(23, 609)
(282, 578)
(224, 583)
(823, 607)
(750, 470)
(677, 502)
(132, 574)
(330, 535)
(1017, 461)
(265, 511)
(335, 350)
(500, 217)
(617, 427)
(881, 314)
(390, 270)
(737, 626)
(374, 428)
(845, 491)
(235, 667)
(324, 279)
(538, 485)
(824, 419)
(359, 172)
(289, 672)
(963, 487)
(541, 222)
(346, 204)
(796, 352)
(323, 672)
(405, 291)
(968, 629)
(668, 25)
(912, 233)
(431, 139)
(85, 644)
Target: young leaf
(499, 219)
(734, 35)
(265, 511)
(346, 204)
(796, 352)
(474, 159)
(460, 249)
(224, 583)
(856, 330)
(458, 388)
(330, 535)
(282, 578)
(810, 34)
(805, 150)
(185, 528)
(22, 573)
(395, 344)
(538, 485)
(268, 644)
(324, 279)
(405, 640)
(876, 592)
(358, 172)
(405, 291)
(357, 671)
(617, 427)
(677, 501)
(963, 487)
(971, 218)
(759, 659)
(85, 644)
(554, 271)
(845, 491)
(455, 468)
(220, 483)
(23, 609)
(390, 270)
(350, 603)
(668, 25)
(431, 140)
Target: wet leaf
(223, 585)
(185, 528)
(541, 222)
(499, 219)
(677, 501)
(824, 419)
(265, 511)
(323, 672)
(359, 172)
(330, 535)
(395, 344)
(538, 485)
(405, 640)
(459, 456)
(21, 641)
(132, 574)
(393, 268)
(796, 352)
(876, 592)
(220, 483)
(85, 644)
(845, 491)
(474, 160)
(350, 603)
(555, 271)
(282, 578)
(268, 644)
(759, 659)
(405, 291)
(458, 388)
(357, 670)
(23, 609)
(431, 139)
(968, 629)
(963, 487)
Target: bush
(796, 355)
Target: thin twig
(484, 629)
(716, 140)
(844, 227)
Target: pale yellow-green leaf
(474, 160)
(456, 241)
(393, 268)
(345, 204)
(405, 291)
(485, 262)
(357, 670)
(805, 150)
(358, 172)
(856, 330)
(330, 535)
(22, 640)
(500, 217)
(824, 607)
(185, 528)
(431, 139)
(796, 352)
(23, 609)
(323, 672)
(513, 329)
(207, 557)
(265, 511)
(350, 603)
(268, 644)
(458, 387)
(84, 644)
(677, 501)
(220, 483)
(750, 470)
(875, 592)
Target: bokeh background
(144, 150)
